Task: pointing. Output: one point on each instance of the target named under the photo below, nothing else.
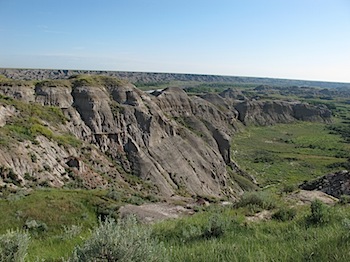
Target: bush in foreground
(13, 246)
(319, 213)
(121, 240)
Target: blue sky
(296, 39)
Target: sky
(294, 39)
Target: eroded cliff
(93, 132)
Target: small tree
(121, 240)
(13, 246)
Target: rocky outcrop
(272, 112)
(176, 143)
(307, 112)
(334, 184)
(265, 112)
(45, 163)
(20, 91)
(6, 112)
(54, 95)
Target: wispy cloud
(48, 30)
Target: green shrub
(188, 232)
(284, 214)
(215, 227)
(13, 246)
(288, 188)
(121, 240)
(319, 213)
(107, 210)
(257, 200)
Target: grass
(50, 114)
(51, 206)
(217, 234)
(260, 241)
(94, 80)
(58, 210)
(59, 219)
(288, 153)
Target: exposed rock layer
(271, 112)
(175, 143)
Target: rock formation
(178, 144)
(271, 112)
(334, 184)
(97, 132)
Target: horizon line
(176, 73)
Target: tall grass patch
(271, 240)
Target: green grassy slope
(270, 240)
(288, 153)
(57, 220)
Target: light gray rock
(176, 144)
(272, 112)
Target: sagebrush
(13, 246)
(121, 240)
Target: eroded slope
(100, 132)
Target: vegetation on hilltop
(93, 80)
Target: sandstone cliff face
(174, 143)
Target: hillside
(102, 132)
